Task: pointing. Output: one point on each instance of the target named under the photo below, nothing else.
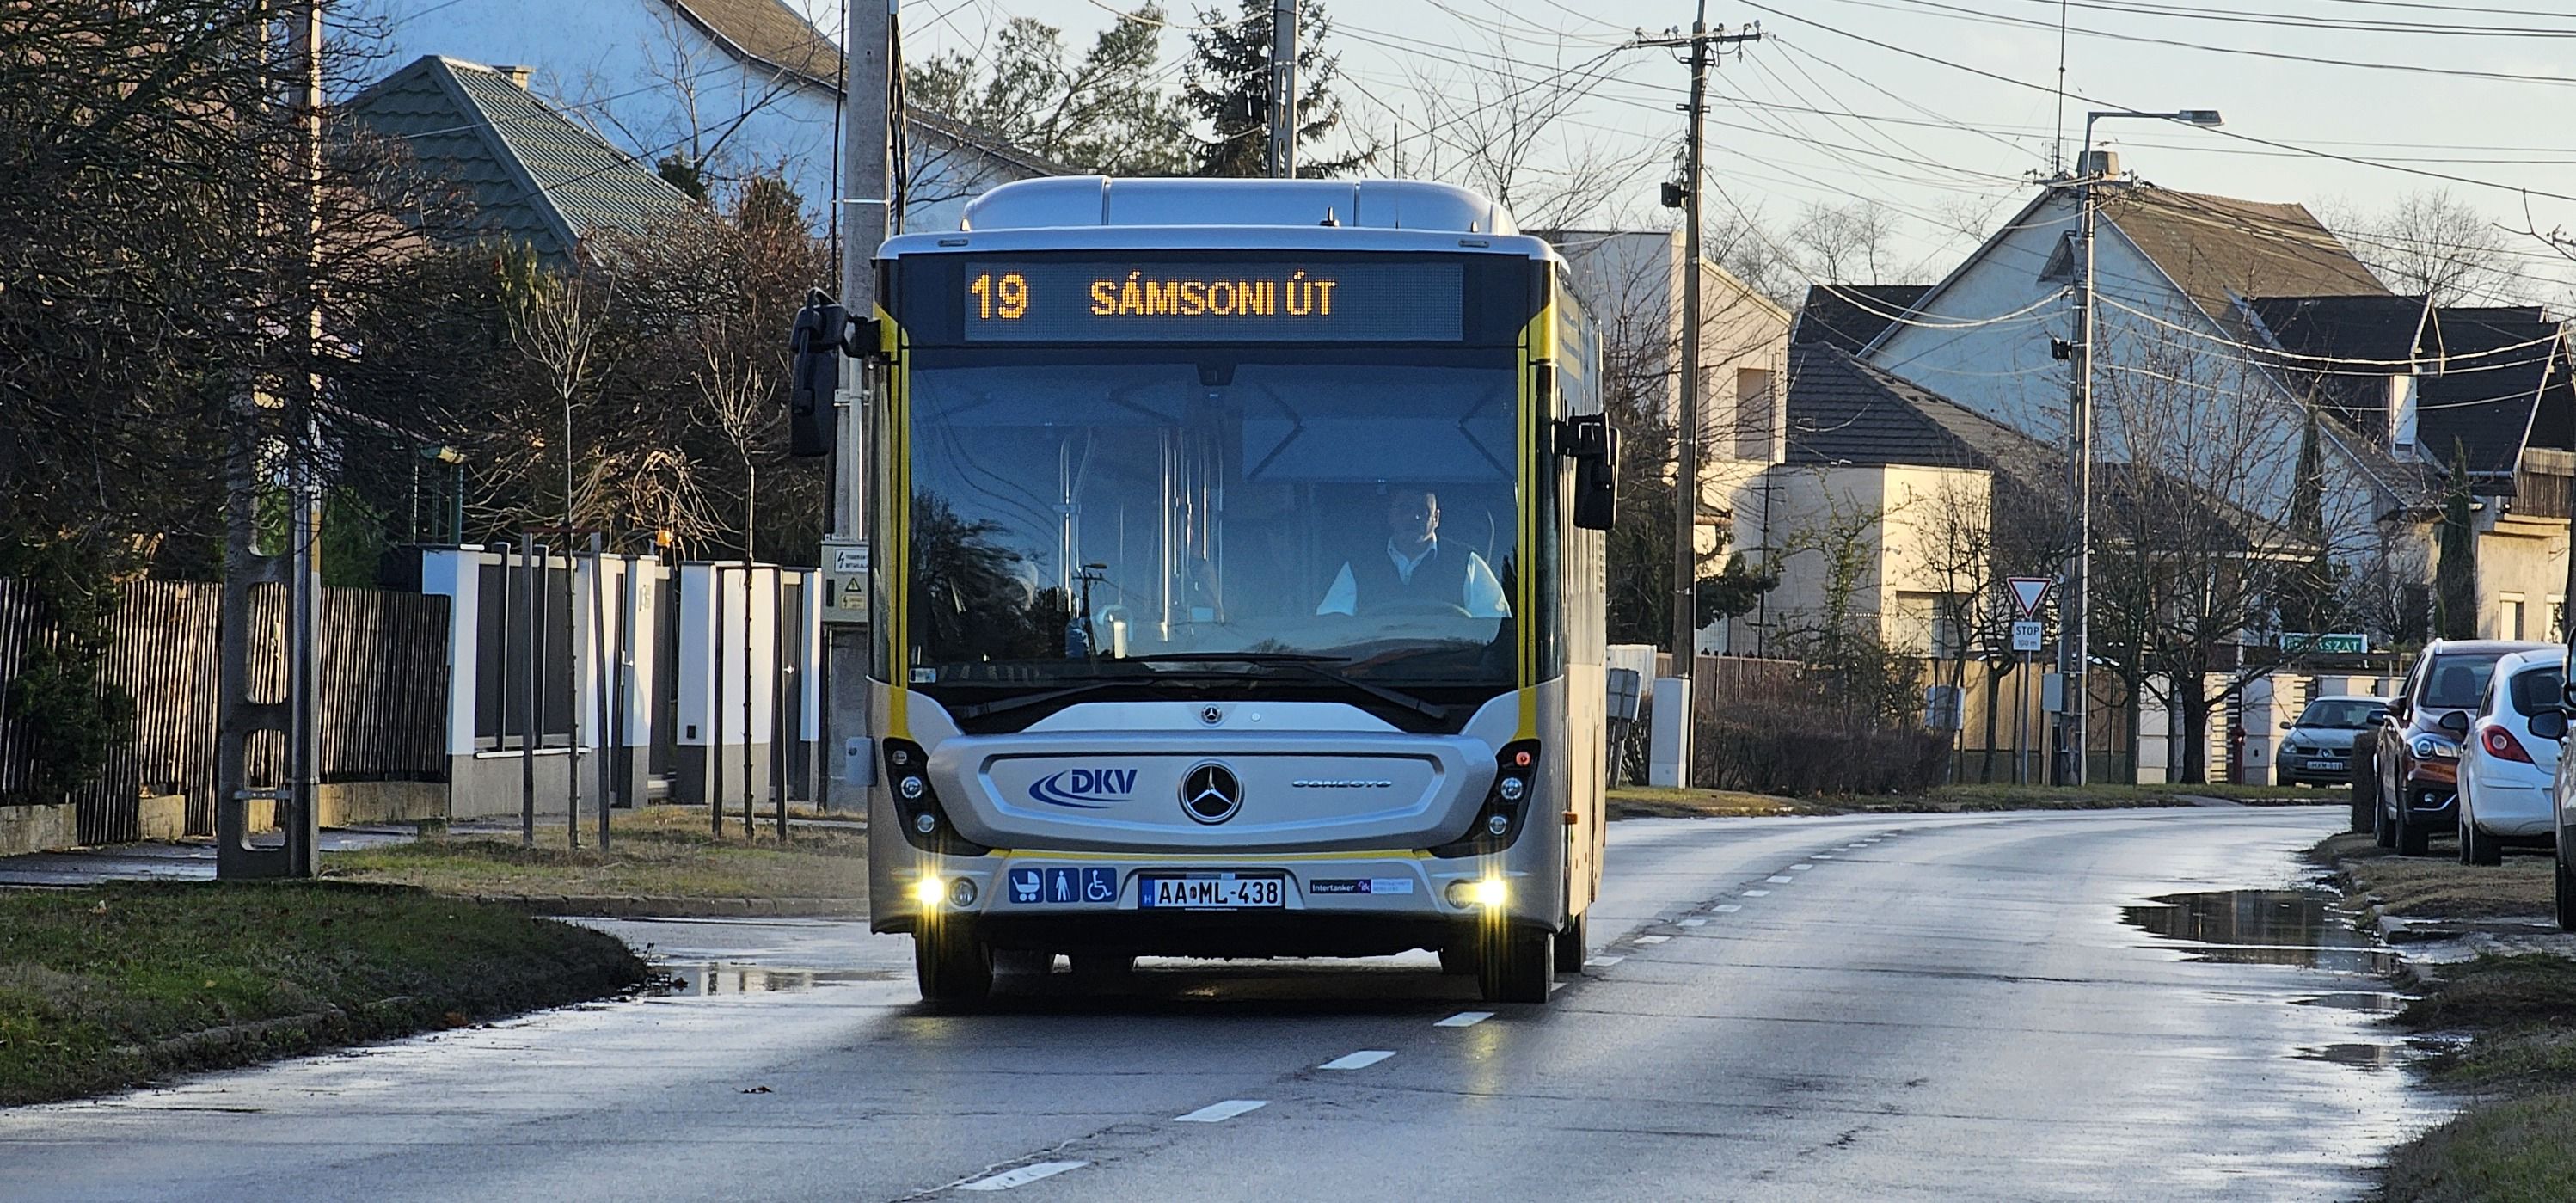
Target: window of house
(1753, 406)
(2557, 618)
(2509, 616)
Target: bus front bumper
(1304, 905)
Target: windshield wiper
(1006, 705)
(1313, 666)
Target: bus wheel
(1573, 946)
(1103, 968)
(955, 969)
(1517, 964)
(1023, 962)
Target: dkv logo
(1084, 789)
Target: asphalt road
(1864, 1008)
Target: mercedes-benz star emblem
(1211, 715)
(1210, 793)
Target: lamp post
(2075, 649)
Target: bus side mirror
(823, 334)
(1593, 444)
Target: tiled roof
(1845, 412)
(2218, 248)
(532, 174)
(1849, 316)
(2480, 371)
(769, 33)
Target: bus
(1238, 583)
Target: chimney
(518, 76)
(2100, 164)
(2401, 412)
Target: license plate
(1213, 891)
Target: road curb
(632, 906)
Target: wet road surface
(2028, 1006)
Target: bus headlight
(924, 823)
(1486, 892)
(961, 893)
(930, 891)
(1498, 822)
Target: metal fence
(382, 714)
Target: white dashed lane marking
(1465, 1019)
(1359, 1060)
(1726, 908)
(1757, 893)
(1694, 922)
(1781, 878)
(1800, 868)
(1220, 1112)
(1652, 939)
(1025, 1174)
(1602, 962)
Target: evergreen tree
(1228, 84)
(1101, 111)
(2455, 575)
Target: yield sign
(2028, 592)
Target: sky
(1943, 111)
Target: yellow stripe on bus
(897, 466)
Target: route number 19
(1005, 296)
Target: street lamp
(2073, 660)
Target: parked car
(2511, 757)
(2318, 748)
(2418, 752)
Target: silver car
(2318, 748)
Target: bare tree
(1508, 138)
(1845, 244)
(2432, 244)
(555, 325)
(693, 102)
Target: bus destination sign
(1114, 301)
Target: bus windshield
(1081, 515)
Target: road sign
(2298, 642)
(2028, 592)
(2027, 635)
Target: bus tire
(1573, 946)
(1023, 962)
(1517, 964)
(954, 968)
(1103, 968)
(1458, 959)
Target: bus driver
(1416, 569)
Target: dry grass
(655, 852)
(110, 985)
(2439, 887)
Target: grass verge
(2439, 887)
(662, 853)
(2517, 1140)
(1642, 802)
(112, 985)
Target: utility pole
(2074, 644)
(867, 151)
(1686, 430)
(1283, 89)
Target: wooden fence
(383, 703)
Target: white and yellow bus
(1238, 585)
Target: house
(730, 88)
(529, 172)
(1631, 283)
(1851, 316)
(2260, 413)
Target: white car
(2507, 762)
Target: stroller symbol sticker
(1024, 885)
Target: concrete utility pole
(1686, 430)
(1283, 89)
(293, 800)
(866, 173)
(2074, 644)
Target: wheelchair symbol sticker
(1099, 884)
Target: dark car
(2318, 748)
(2417, 744)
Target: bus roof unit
(1069, 202)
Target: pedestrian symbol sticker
(1059, 884)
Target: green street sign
(2309, 643)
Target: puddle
(2376, 1002)
(2363, 1056)
(2300, 928)
(720, 977)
